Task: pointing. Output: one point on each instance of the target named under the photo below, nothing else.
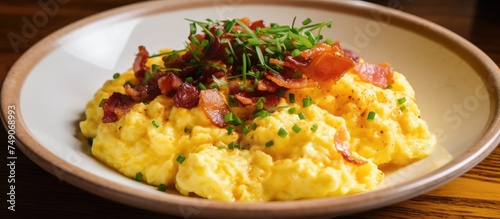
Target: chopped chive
(254, 126)
(155, 67)
(180, 159)
(250, 89)
(116, 75)
(237, 145)
(269, 143)
(138, 176)
(292, 110)
(229, 117)
(219, 32)
(307, 101)
(230, 146)
(314, 127)
(192, 28)
(232, 101)
(291, 97)
(221, 147)
(229, 26)
(260, 103)
(262, 113)
(282, 133)
(302, 116)
(215, 86)
(230, 130)
(102, 101)
(371, 116)
(127, 83)
(401, 100)
(241, 87)
(296, 52)
(296, 128)
(254, 42)
(244, 68)
(329, 41)
(389, 87)
(237, 121)
(402, 108)
(201, 86)
(162, 187)
(189, 80)
(187, 130)
(306, 21)
(204, 42)
(147, 76)
(245, 130)
(219, 82)
(155, 124)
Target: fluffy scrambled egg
(181, 148)
(308, 118)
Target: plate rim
(174, 204)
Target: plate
(457, 89)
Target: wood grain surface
(476, 194)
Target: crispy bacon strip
(351, 54)
(381, 75)
(244, 99)
(271, 100)
(281, 81)
(187, 96)
(342, 146)
(115, 106)
(214, 107)
(139, 66)
(328, 63)
(267, 85)
(169, 84)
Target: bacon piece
(328, 63)
(255, 24)
(351, 55)
(214, 107)
(187, 96)
(267, 85)
(136, 95)
(244, 99)
(139, 66)
(143, 93)
(115, 106)
(169, 84)
(234, 87)
(342, 146)
(214, 47)
(296, 62)
(281, 81)
(272, 100)
(380, 75)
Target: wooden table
(476, 194)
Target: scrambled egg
(182, 149)
(261, 165)
(396, 136)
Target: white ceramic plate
(456, 84)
